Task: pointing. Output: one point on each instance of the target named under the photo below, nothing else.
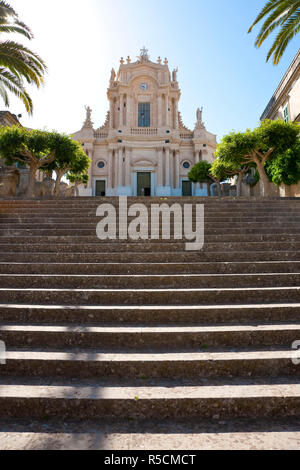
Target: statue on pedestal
(199, 123)
(174, 74)
(88, 120)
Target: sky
(219, 67)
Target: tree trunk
(59, 176)
(264, 181)
(31, 182)
(208, 189)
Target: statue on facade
(144, 56)
(112, 76)
(174, 74)
(88, 120)
(199, 123)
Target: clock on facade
(144, 86)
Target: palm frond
(283, 14)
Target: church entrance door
(186, 188)
(100, 188)
(144, 184)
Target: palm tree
(284, 14)
(18, 64)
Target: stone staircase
(132, 345)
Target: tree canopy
(43, 150)
(253, 148)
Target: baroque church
(143, 148)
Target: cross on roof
(144, 52)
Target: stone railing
(100, 135)
(186, 136)
(143, 131)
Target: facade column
(128, 111)
(110, 169)
(159, 168)
(111, 113)
(167, 110)
(159, 111)
(176, 114)
(121, 110)
(120, 167)
(177, 169)
(196, 156)
(127, 167)
(167, 166)
(116, 167)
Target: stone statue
(144, 56)
(88, 120)
(174, 74)
(112, 76)
(199, 115)
(199, 123)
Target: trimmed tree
(285, 167)
(77, 179)
(200, 173)
(32, 148)
(266, 142)
(69, 157)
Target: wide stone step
(98, 364)
(148, 257)
(24, 401)
(146, 281)
(129, 315)
(234, 434)
(209, 238)
(141, 338)
(86, 220)
(151, 268)
(165, 246)
(212, 296)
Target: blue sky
(219, 67)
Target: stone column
(167, 166)
(120, 167)
(176, 114)
(111, 113)
(167, 110)
(110, 169)
(196, 156)
(159, 111)
(121, 110)
(127, 168)
(128, 111)
(177, 159)
(159, 168)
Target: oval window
(186, 165)
(101, 164)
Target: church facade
(143, 148)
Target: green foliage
(79, 178)
(200, 172)
(277, 134)
(282, 14)
(18, 64)
(69, 155)
(221, 169)
(285, 167)
(20, 144)
(257, 148)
